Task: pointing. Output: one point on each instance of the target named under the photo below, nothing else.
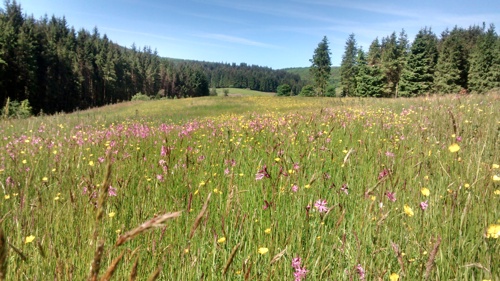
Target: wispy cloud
(235, 40)
(142, 34)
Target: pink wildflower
(345, 188)
(111, 191)
(391, 196)
(296, 262)
(320, 205)
(300, 273)
(361, 272)
(383, 174)
(295, 188)
(424, 205)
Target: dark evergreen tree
(348, 67)
(484, 73)
(369, 79)
(451, 68)
(393, 59)
(321, 66)
(418, 74)
(374, 53)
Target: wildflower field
(255, 188)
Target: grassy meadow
(254, 188)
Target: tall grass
(236, 188)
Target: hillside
(305, 75)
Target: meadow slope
(255, 188)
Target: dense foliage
(321, 67)
(57, 68)
(463, 60)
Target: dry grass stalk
(23, 257)
(152, 223)
(4, 250)
(133, 272)
(103, 196)
(430, 262)
(96, 263)
(396, 250)
(40, 248)
(200, 216)
(278, 256)
(231, 257)
(155, 274)
(111, 269)
(230, 199)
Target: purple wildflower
(295, 188)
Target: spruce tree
(391, 64)
(451, 68)
(348, 67)
(369, 79)
(484, 73)
(321, 67)
(418, 75)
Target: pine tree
(369, 79)
(348, 67)
(418, 75)
(374, 53)
(484, 73)
(321, 67)
(451, 68)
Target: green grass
(237, 92)
(171, 155)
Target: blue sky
(277, 34)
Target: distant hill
(305, 75)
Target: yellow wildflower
(454, 148)
(495, 166)
(91, 163)
(496, 178)
(112, 214)
(267, 231)
(425, 191)
(263, 250)
(394, 277)
(493, 231)
(221, 240)
(408, 211)
(29, 239)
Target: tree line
(460, 60)
(57, 68)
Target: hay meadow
(255, 188)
